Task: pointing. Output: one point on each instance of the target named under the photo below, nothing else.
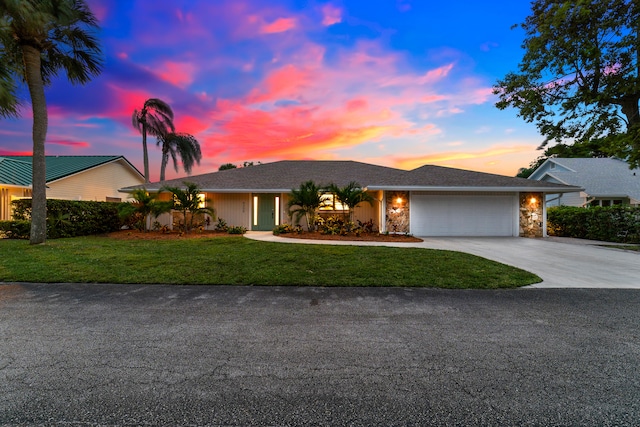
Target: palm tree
(38, 38)
(142, 207)
(179, 144)
(351, 196)
(155, 118)
(304, 201)
(188, 201)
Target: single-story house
(96, 178)
(606, 181)
(427, 201)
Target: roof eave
(498, 189)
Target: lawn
(240, 261)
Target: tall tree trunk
(144, 151)
(40, 121)
(163, 165)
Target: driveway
(561, 263)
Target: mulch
(198, 234)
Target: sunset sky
(399, 83)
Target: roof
(430, 177)
(285, 175)
(600, 177)
(16, 170)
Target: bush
(15, 229)
(286, 229)
(222, 225)
(337, 226)
(69, 218)
(611, 224)
(238, 229)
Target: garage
(469, 214)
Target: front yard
(235, 260)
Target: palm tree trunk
(33, 76)
(144, 151)
(163, 165)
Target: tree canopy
(579, 78)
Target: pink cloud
(68, 143)
(331, 15)
(190, 124)
(357, 104)
(177, 73)
(14, 153)
(280, 25)
(308, 105)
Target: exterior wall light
(399, 200)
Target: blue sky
(399, 83)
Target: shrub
(15, 229)
(286, 229)
(612, 224)
(69, 218)
(238, 229)
(221, 225)
(336, 225)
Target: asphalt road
(236, 356)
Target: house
(606, 181)
(428, 201)
(95, 178)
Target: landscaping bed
(197, 234)
(364, 237)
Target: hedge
(611, 224)
(65, 218)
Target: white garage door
(463, 215)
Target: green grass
(625, 247)
(240, 261)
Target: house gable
(601, 178)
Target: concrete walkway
(561, 263)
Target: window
(331, 203)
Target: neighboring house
(606, 181)
(428, 201)
(95, 178)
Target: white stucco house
(427, 201)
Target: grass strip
(240, 261)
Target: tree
(351, 196)
(155, 118)
(579, 78)
(38, 39)
(179, 144)
(142, 207)
(304, 201)
(190, 203)
(227, 166)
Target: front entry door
(265, 212)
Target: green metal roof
(16, 170)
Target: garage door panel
(451, 215)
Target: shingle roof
(598, 176)
(16, 170)
(285, 175)
(443, 177)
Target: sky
(398, 83)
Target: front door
(265, 212)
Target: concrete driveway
(561, 263)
